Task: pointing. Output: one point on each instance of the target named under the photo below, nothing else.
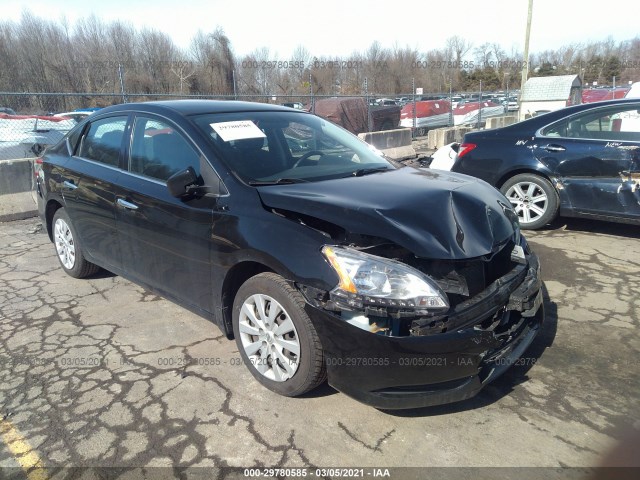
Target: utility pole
(450, 102)
(313, 102)
(506, 105)
(121, 76)
(480, 106)
(235, 93)
(525, 59)
(413, 89)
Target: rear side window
(618, 123)
(158, 150)
(103, 141)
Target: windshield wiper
(279, 181)
(367, 171)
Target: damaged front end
(429, 291)
(407, 332)
(406, 295)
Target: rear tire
(68, 247)
(275, 337)
(533, 198)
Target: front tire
(68, 248)
(533, 198)
(275, 337)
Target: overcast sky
(339, 27)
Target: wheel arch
(236, 276)
(520, 171)
(50, 210)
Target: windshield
(288, 147)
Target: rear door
(165, 241)
(88, 185)
(595, 155)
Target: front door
(165, 241)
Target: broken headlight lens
(375, 281)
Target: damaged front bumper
(446, 358)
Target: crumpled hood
(437, 215)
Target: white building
(545, 94)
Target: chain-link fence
(31, 121)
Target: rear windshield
(271, 146)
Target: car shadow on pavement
(506, 383)
(593, 226)
(323, 390)
(102, 273)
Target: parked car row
(24, 136)
(509, 102)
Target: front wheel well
(52, 207)
(513, 173)
(238, 274)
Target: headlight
(369, 280)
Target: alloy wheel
(529, 201)
(269, 338)
(65, 245)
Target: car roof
(196, 107)
(588, 106)
(554, 115)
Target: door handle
(128, 205)
(554, 148)
(69, 185)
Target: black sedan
(321, 257)
(581, 161)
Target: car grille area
(463, 279)
(479, 292)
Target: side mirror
(180, 182)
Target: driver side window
(158, 150)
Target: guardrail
(395, 144)
(440, 137)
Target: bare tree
(216, 63)
(44, 55)
(483, 55)
(376, 68)
(400, 68)
(458, 46)
(92, 59)
(456, 49)
(300, 72)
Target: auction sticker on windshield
(237, 130)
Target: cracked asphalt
(100, 372)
